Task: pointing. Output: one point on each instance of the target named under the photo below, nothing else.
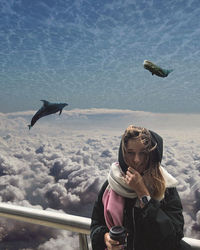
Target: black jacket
(158, 226)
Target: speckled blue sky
(90, 54)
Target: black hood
(159, 150)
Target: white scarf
(117, 183)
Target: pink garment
(113, 208)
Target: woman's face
(136, 156)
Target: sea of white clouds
(63, 160)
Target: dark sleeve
(162, 222)
(98, 226)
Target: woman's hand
(111, 244)
(135, 181)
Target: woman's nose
(137, 158)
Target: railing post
(83, 243)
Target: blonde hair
(152, 176)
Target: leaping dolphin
(154, 69)
(48, 108)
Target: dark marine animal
(156, 70)
(48, 108)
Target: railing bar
(46, 223)
(26, 213)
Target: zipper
(134, 231)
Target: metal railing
(58, 220)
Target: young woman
(141, 196)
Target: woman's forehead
(135, 145)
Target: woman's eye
(131, 153)
(144, 154)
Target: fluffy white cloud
(63, 160)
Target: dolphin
(156, 70)
(48, 108)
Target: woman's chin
(140, 170)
